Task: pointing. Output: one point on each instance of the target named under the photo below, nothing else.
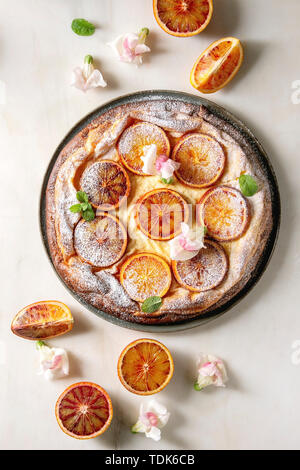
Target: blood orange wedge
(201, 159)
(84, 410)
(43, 320)
(101, 242)
(203, 272)
(145, 367)
(145, 275)
(225, 213)
(133, 140)
(183, 17)
(160, 212)
(217, 65)
(106, 183)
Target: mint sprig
(248, 185)
(151, 304)
(82, 27)
(84, 207)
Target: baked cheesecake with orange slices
(121, 231)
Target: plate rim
(275, 202)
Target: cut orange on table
(203, 272)
(224, 212)
(43, 320)
(183, 18)
(101, 242)
(84, 410)
(201, 159)
(217, 65)
(106, 183)
(145, 367)
(145, 275)
(160, 212)
(133, 140)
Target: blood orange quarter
(217, 65)
(145, 367)
(43, 320)
(84, 410)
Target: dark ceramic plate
(263, 161)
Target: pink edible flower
(87, 77)
(187, 244)
(211, 371)
(53, 362)
(130, 47)
(151, 420)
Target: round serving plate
(263, 161)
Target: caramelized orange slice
(101, 242)
(160, 212)
(106, 183)
(43, 320)
(84, 410)
(217, 65)
(203, 272)
(225, 213)
(145, 275)
(145, 367)
(201, 159)
(183, 17)
(133, 140)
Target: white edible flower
(153, 417)
(53, 362)
(188, 243)
(130, 47)
(158, 165)
(87, 77)
(211, 371)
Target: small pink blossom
(158, 165)
(87, 77)
(152, 419)
(187, 244)
(53, 362)
(130, 47)
(211, 371)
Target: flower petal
(96, 79)
(149, 159)
(141, 49)
(78, 80)
(154, 433)
(117, 46)
(168, 168)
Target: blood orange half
(84, 410)
(183, 18)
(145, 367)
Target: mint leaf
(82, 27)
(88, 214)
(167, 180)
(151, 304)
(248, 185)
(82, 196)
(85, 206)
(75, 208)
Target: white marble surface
(260, 408)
